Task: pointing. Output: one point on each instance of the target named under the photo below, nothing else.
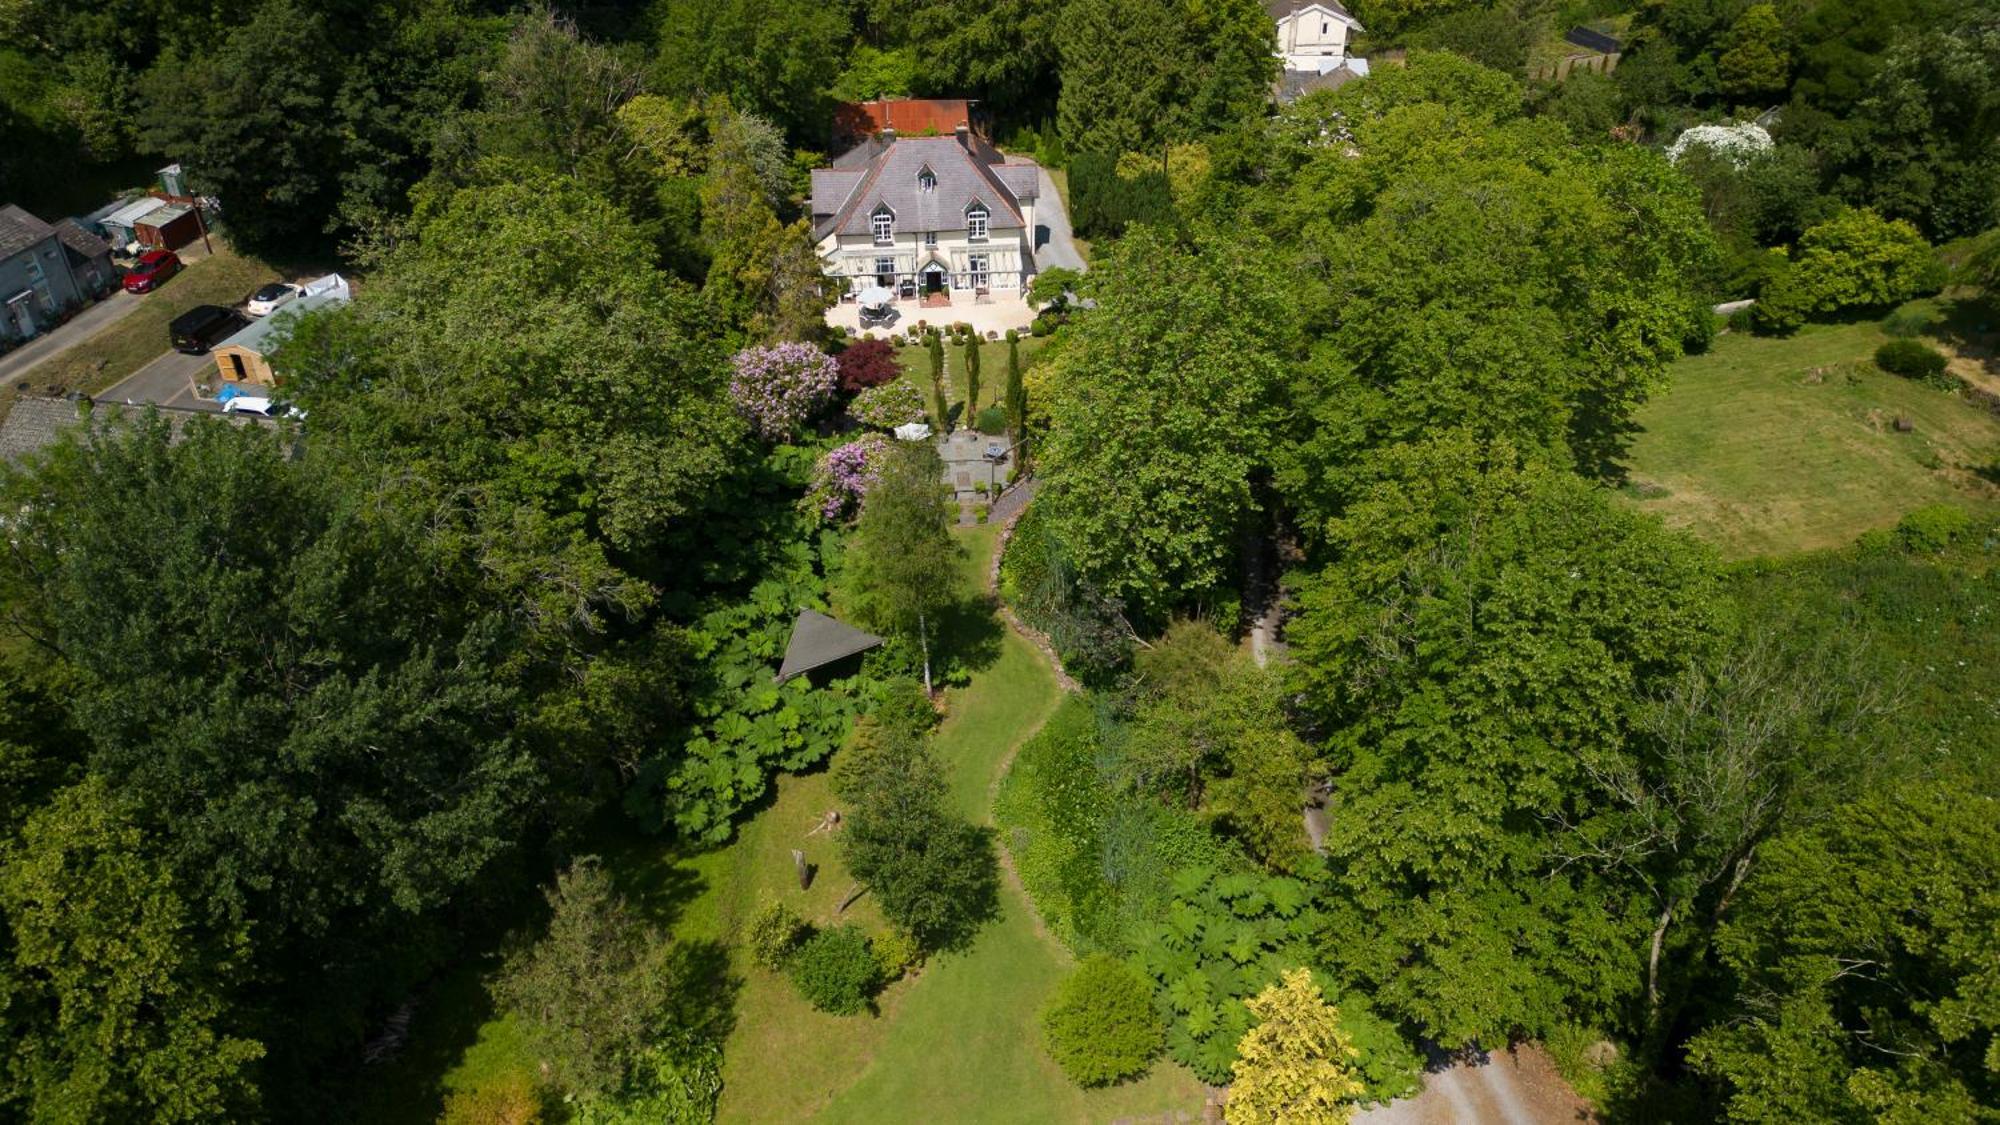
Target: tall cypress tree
(939, 405)
(1017, 396)
(972, 379)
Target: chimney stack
(964, 132)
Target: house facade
(946, 218)
(1312, 34)
(36, 282)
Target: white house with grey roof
(947, 218)
(1312, 34)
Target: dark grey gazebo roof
(819, 640)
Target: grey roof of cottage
(34, 424)
(80, 241)
(1296, 84)
(257, 336)
(1279, 9)
(20, 230)
(819, 640)
(845, 200)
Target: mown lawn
(222, 278)
(916, 361)
(959, 1042)
(1772, 446)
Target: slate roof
(819, 640)
(34, 424)
(257, 334)
(845, 199)
(80, 241)
(1296, 84)
(1279, 9)
(20, 230)
(1592, 40)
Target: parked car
(154, 267)
(270, 298)
(204, 326)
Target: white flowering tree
(1734, 143)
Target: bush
(1912, 359)
(836, 971)
(888, 406)
(897, 954)
(780, 388)
(775, 934)
(868, 363)
(992, 420)
(1100, 1025)
(1933, 527)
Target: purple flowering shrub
(844, 475)
(779, 388)
(888, 406)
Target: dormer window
(975, 222)
(884, 224)
(926, 180)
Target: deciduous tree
(903, 562)
(1164, 407)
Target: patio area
(996, 313)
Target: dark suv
(204, 326)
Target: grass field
(222, 278)
(1770, 446)
(959, 1042)
(916, 363)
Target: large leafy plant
(1225, 937)
(744, 724)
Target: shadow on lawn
(969, 635)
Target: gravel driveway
(1518, 1086)
(1054, 244)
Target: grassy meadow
(1767, 446)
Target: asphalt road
(167, 381)
(83, 326)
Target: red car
(154, 267)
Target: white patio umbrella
(877, 295)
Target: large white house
(938, 217)
(1312, 34)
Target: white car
(248, 404)
(271, 298)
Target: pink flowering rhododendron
(844, 475)
(779, 388)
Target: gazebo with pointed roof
(819, 640)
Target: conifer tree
(971, 378)
(939, 405)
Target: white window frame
(885, 266)
(883, 224)
(980, 268)
(926, 180)
(975, 223)
(930, 240)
